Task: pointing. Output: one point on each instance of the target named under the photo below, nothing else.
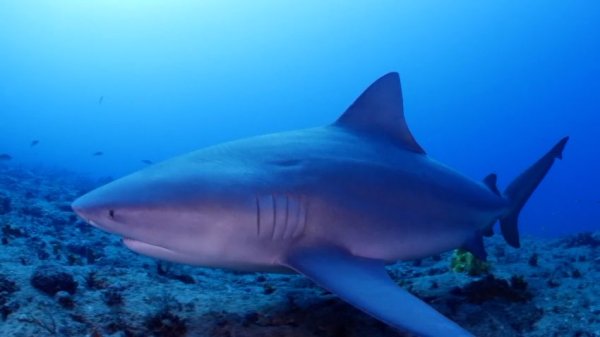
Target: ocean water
(104, 87)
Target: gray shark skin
(334, 203)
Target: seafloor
(62, 277)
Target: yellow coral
(465, 262)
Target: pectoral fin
(365, 284)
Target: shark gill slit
(293, 220)
(298, 221)
(305, 217)
(271, 222)
(287, 213)
(302, 218)
(274, 207)
(257, 216)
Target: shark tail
(519, 191)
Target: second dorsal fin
(379, 111)
(474, 245)
(490, 182)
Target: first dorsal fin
(379, 110)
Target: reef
(51, 279)
(62, 277)
(585, 239)
(490, 288)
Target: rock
(166, 324)
(9, 231)
(585, 239)
(117, 334)
(64, 208)
(491, 288)
(64, 299)
(51, 279)
(533, 260)
(5, 204)
(7, 287)
(8, 308)
(33, 211)
(86, 250)
(112, 297)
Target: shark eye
(111, 213)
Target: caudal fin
(521, 189)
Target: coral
(9, 231)
(112, 297)
(119, 327)
(5, 204)
(533, 260)
(47, 324)
(465, 262)
(166, 324)
(585, 239)
(64, 207)
(517, 282)
(8, 309)
(268, 289)
(33, 211)
(85, 250)
(51, 279)
(65, 300)
(552, 283)
(166, 270)
(57, 222)
(94, 282)
(491, 288)
(7, 288)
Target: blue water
(488, 86)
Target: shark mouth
(139, 246)
(148, 249)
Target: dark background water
(488, 86)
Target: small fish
(148, 162)
(100, 100)
(5, 156)
(34, 142)
(98, 153)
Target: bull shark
(334, 203)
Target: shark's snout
(80, 208)
(90, 211)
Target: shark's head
(188, 213)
